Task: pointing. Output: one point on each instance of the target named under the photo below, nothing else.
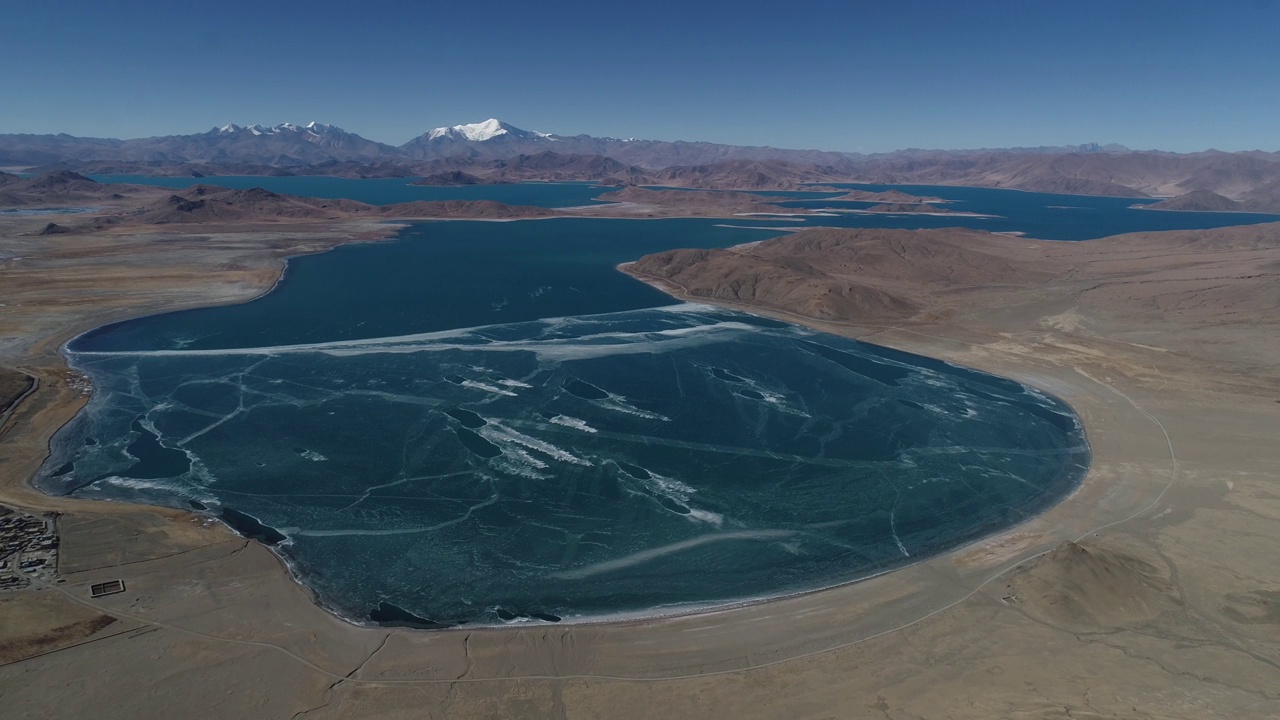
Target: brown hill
(1229, 174)
(1204, 278)
(546, 166)
(1069, 175)
(1263, 198)
(450, 178)
(754, 280)
(889, 196)
(550, 166)
(1196, 200)
(206, 203)
(477, 209)
(681, 197)
(829, 273)
(62, 187)
(54, 229)
(1094, 585)
(1120, 174)
(907, 208)
(698, 201)
(745, 175)
(61, 183)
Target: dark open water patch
(476, 444)
(511, 616)
(469, 420)
(389, 615)
(154, 459)
(251, 527)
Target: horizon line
(1066, 147)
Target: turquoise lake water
(486, 423)
(1040, 215)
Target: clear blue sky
(1173, 75)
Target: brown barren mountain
(1095, 585)
(882, 275)
(908, 208)
(888, 196)
(208, 203)
(450, 178)
(64, 187)
(746, 175)
(831, 273)
(1264, 197)
(698, 201)
(55, 229)
(464, 209)
(1119, 174)
(1196, 200)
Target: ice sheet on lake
(577, 466)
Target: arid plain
(1152, 592)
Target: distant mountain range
(278, 146)
(494, 151)
(289, 145)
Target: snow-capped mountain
(280, 145)
(312, 128)
(316, 144)
(494, 139)
(490, 139)
(482, 131)
(283, 144)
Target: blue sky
(833, 75)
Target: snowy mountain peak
(475, 132)
(482, 131)
(311, 128)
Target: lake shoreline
(1066, 481)
(950, 599)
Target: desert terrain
(1152, 592)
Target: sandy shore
(1166, 608)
